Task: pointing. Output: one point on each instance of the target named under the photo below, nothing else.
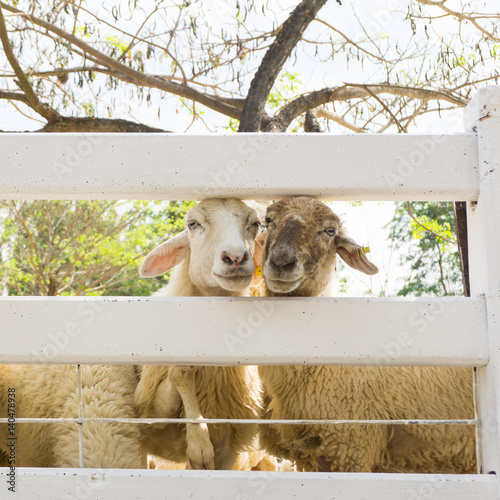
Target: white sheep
(219, 232)
(50, 391)
(213, 256)
(303, 238)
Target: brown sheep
(303, 238)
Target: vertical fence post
(482, 116)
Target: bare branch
(384, 105)
(463, 17)
(351, 91)
(111, 72)
(131, 75)
(87, 124)
(353, 43)
(330, 115)
(273, 61)
(14, 96)
(31, 98)
(76, 16)
(20, 111)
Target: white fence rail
(50, 484)
(462, 332)
(250, 166)
(120, 330)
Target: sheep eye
(268, 221)
(192, 224)
(256, 225)
(331, 231)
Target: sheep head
(220, 241)
(303, 238)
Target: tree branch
(14, 96)
(31, 98)
(233, 101)
(353, 43)
(384, 105)
(329, 115)
(410, 211)
(134, 37)
(460, 211)
(311, 123)
(295, 108)
(87, 124)
(461, 17)
(273, 61)
(131, 75)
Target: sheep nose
(283, 259)
(234, 260)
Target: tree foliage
(371, 66)
(404, 59)
(82, 247)
(425, 237)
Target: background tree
(424, 233)
(69, 63)
(219, 54)
(82, 247)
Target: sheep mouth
(233, 282)
(232, 276)
(283, 286)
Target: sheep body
(303, 239)
(341, 392)
(108, 391)
(252, 460)
(219, 392)
(222, 392)
(50, 391)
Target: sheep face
(220, 240)
(222, 232)
(303, 238)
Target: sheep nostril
(284, 265)
(231, 259)
(290, 266)
(226, 258)
(283, 259)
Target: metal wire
(476, 417)
(80, 418)
(150, 421)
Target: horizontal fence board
(229, 331)
(227, 485)
(247, 166)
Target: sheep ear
(165, 256)
(354, 255)
(257, 259)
